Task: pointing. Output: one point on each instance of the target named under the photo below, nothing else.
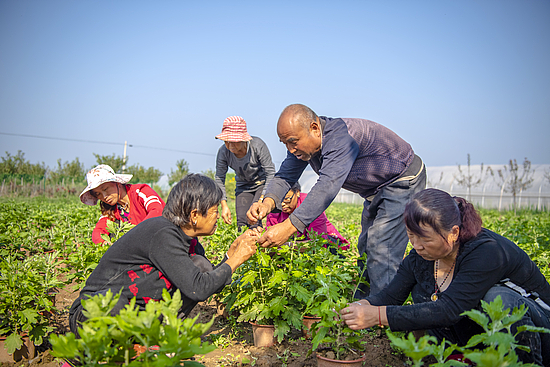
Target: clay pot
(27, 351)
(307, 321)
(264, 335)
(327, 362)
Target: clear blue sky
(450, 77)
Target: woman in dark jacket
(454, 264)
(164, 253)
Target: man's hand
(278, 234)
(260, 210)
(226, 213)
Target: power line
(105, 142)
(57, 138)
(171, 150)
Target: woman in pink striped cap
(249, 157)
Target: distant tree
(18, 165)
(547, 175)
(469, 180)
(515, 181)
(433, 183)
(69, 169)
(181, 171)
(144, 175)
(115, 161)
(209, 173)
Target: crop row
(46, 245)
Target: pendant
(434, 297)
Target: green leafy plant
(262, 290)
(283, 358)
(331, 330)
(499, 344)
(221, 341)
(24, 301)
(280, 286)
(424, 347)
(82, 262)
(334, 283)
(109, 340)
(116, 230)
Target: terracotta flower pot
(27, 351)
(307, 321)
(327, 362)
(264, 335)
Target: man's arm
(289, 173)
(338, 155)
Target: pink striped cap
(234, 130)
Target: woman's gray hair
(194, 191)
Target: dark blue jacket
(358, 155)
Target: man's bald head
(300, 130)
(298, 115)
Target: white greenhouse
(488, 189)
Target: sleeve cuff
(300, 226)
(277, 201)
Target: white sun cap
(97, 176)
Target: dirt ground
(235, 343)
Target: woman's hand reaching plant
(361, 315)
(243, 248)
(250, 235)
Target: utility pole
(124, 157)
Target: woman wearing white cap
(119, 200)
(249, 157)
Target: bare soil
(235, 343)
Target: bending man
(360, 156)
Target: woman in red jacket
(119, 200)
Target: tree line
(513, 178)
(18, 165)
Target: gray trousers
(539, 343)
(383, 234)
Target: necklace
(434, 296)
(121, 204)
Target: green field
(45, 244)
